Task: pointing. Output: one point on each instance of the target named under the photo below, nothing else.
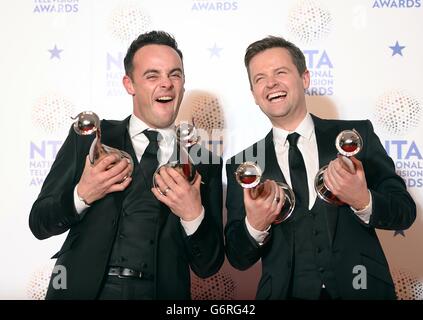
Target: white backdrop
(60, 57)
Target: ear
(306, 79)
(127, 83)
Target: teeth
(164, 99)
(276, 95)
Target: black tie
(297, 170)
(149, 162)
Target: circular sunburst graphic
(309, 21)
(207, 113)
(128, 21)
(407, 285)
(220, 286)
(38, 283)
(52, 113)
(398, 112)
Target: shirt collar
(305, 129)
(137, 126)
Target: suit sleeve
(393, 207)
(205, 246)
(241, 249)
(54, 211)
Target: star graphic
(215, 51)
(397, 232)
(397, 49)
(55, 52)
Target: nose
(271, 82)
(166, 83)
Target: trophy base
(96, 154)
(187, 170)
(322, 190)
(289, 203)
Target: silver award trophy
(186, 136)
(248, 175)
(348, 143)
(86, 123)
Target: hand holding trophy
(87, 123)
(248, 175)
(186, 136)
(348, 143)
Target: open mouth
(276, 96)
(164, 99)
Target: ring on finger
(166, 191)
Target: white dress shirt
(308, 146)
(140, 143)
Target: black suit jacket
(353, 243)
(86, 250)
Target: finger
(168, 179)
(278, 195)
(357, 163)
(87, 162)
(197, 181)
(247, 194)
(256, 192)
(160, 197)
(106, 162)
(281, 202)
(120, 177)
(160, 183)
(119, 166)
(120, 186)
(347, 166)
(273, 194)
(177, 176)
(327, 179)
(266, 190)
(335, 171)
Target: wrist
(361, 206)
(82, 198)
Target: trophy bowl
(87, 123)
(248, 176)
(186, 136)
(348, 143)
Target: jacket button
(196, 251)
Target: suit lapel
(326, 133)
(273, 171)
(114, 134)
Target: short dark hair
(275, 42)
(152, 37)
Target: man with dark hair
(321, 251)
(127, 240)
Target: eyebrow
(275, 70)
(257, 75)
(158, 72)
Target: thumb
(197, 181)
(247, 195)
(87, 162)
(357, 163)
